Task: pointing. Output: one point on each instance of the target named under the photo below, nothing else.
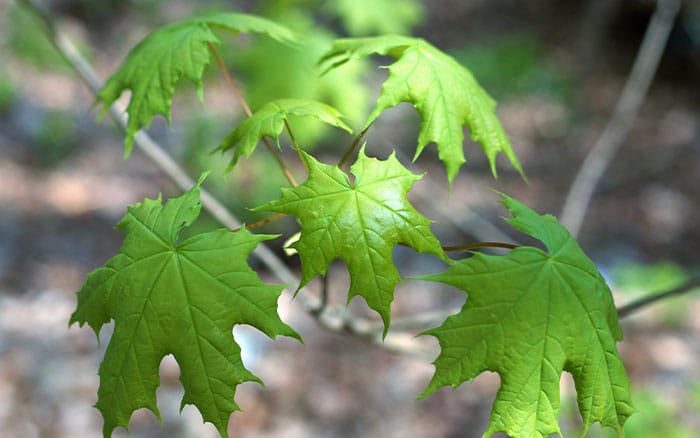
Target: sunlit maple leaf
(359, 223)
(179, 298)
(530, 315)
(444, 93)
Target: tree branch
(626, 109)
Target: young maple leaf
(180, 50)
(359, 224)
(529, 316)
(269, 121)
(180, 298)
(444, 93)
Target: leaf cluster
(529, 315)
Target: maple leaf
(269, 121)
(444, 93)
(176, 297)
(359, 224)
(180, 50)
(530, 315)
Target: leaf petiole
(295, 145)
(246, 109)
(262, 222)
(353, 147)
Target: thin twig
(232, 85)
(435, 317)
(424, 320)
(691, 285)
(265, 221)
(324, 295)
(352, 147)
(246, 109)
(633, 94)
(296, 146)
(342, 321)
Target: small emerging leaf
(444, 93)
(530, 315)
(180, 50)
(180, 298)
(269, 121)
(359, 224)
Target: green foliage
(369, 17)
(270, 121)
(656, 418)
(24, 41)
(515, 65)
(638, 278)
(7, 93)
(54, 137)
(183, 298)
(180, 50)
(442, 91)
(300, 78)
(635, 280)
(359, 224)
(529, 316)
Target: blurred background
(556, 68)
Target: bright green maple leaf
(269, 121)
(180, 298)
(359, 224)
(444, 93)
(180, 50)
(530, 315)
